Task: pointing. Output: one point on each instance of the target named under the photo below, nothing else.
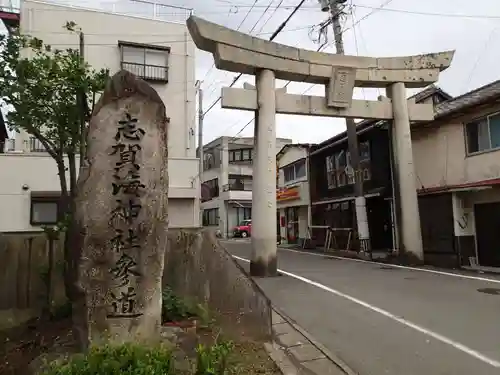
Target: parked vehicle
(243, 230)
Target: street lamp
(325, 4)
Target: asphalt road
(387, 320)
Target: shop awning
(470, 186)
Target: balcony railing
(148, 9)
(147, 72)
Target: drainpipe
(396, 205)
(309, 210)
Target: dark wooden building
(332, 188)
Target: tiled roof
(469, 99)
(290, 145)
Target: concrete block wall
(197, 266)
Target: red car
(243, 230)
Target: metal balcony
(9, 14)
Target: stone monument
(121, 214)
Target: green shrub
(173, 308)
(117, 360)
(212, 360)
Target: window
(240, 182)
(295, 170)
(208, 162)
(331, 176)
(364, 151)
(241, 155)
(36, 145)
(211, 217)
(243, 213)
(145, 61)
(483, 134)
(210, 190)
(342, 160)
(337, 163)
(44, 210)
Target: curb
(295, 351)
(279, 357)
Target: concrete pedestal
(411, 236)
(362, 221)
(264, 259)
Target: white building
(293, 201)
(160, 52)
(227, 181)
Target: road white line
(437, 336)
(478, 278)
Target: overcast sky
(402, 27)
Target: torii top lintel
(239, 52)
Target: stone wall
(197, 266)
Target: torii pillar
(264, 261)
(238, 52)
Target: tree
(46, 91)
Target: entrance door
(487, 218)
(379, 223)
(292, 223)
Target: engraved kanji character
(126, 210)
(127, 154)
(131, 241)
(124, 268)
(123, 305)
(128, 129)
(130, 185)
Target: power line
(253, 27)
(374, 10)
(476, 63)
(271, 16)
(273, 36)
(257, 8)
(432, 14)
(322, 47)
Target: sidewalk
(305, 352)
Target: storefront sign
(287, 194)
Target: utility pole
(82, 100)
(200, 139)
(335, 7)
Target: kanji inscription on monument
(121, 211)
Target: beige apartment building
(293, 201)
(457, 159)
(161, 53)
(227, 181)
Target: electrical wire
(478, 59)
(251, 30)
(273, 36)
(432, 14)
(356, 44)
(72, 8)
(270, 17)
(323, 47)
(239, 26)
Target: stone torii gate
(238, 52)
